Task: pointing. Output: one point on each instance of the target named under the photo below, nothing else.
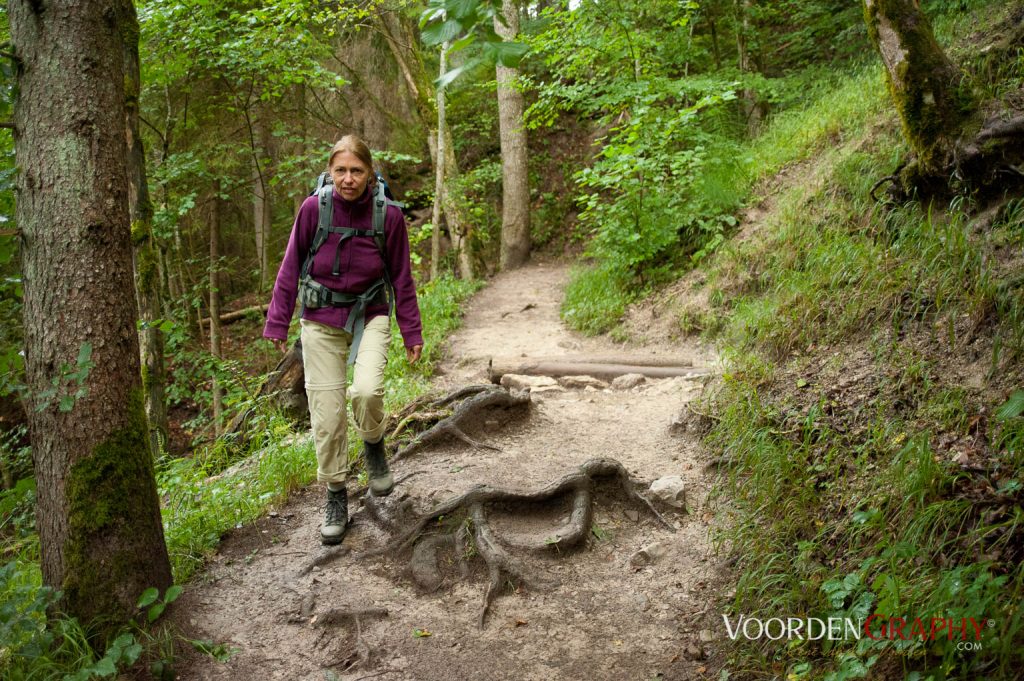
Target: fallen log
(639, 360)
(604, 371)
(229, 317)
(286, 384)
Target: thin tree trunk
(439, 169)
(145, 254)
(446, 157)
(401, 36)
(714, 42)
(98, 513)
(515, 199)
(752, 110)
(925, 85)
(261, 196)
(215, 346)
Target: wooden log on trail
(603, 370)
(229, 317)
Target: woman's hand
(413, 353)
(281, 345)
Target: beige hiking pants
(324, 357)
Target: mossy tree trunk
(925, 85)
(146, 258)
(98, 513)
(515, 190)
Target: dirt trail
(604, 618)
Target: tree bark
(261, 209)
(98, 513)
(439, 149)
(215, 347)
(515, 191)
(148, 283)
(924, 84)
(401, 36)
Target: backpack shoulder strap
(325, 214)
(380, 212)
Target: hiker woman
(347, 261)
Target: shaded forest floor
(608, 613)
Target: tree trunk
(401, 38)
(98, 513)
(148, 283)
(515, 191)
(924, 84)
(215, 348)
(261, 196)
(445, 157)
(439, 149)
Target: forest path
(605, 618)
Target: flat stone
(648, 555)
(706, 636)
(628, 381)
(671, 490)
(582, 382)
(632, 514)
(521, 382)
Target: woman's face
(349, 174)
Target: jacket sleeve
(407, 309)
(286, 286)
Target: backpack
(315, 295)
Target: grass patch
(595, 299)
(865, 475)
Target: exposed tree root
(474, 400)
(325, 556)
(336, 616)
(987, 165)
(469, 512)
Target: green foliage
(36, 646)
(843, 503)
(643, 190)
(153, 605)
(461, 23)
(70, 378)
(595, 299)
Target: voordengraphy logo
(789, 628)
(880, 627)
(877, 627)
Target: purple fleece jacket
(361, 265)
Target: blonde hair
(357, 147)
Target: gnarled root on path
(471, 511)
(443, 421)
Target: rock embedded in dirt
(582, 382)
(693, 652)
(628, 381)
(648, 555)
(671, 489)
(530, 383)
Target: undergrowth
(219, 488)
(869, 421)
(628, 263)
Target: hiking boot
(336, 518)
(381, 482)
